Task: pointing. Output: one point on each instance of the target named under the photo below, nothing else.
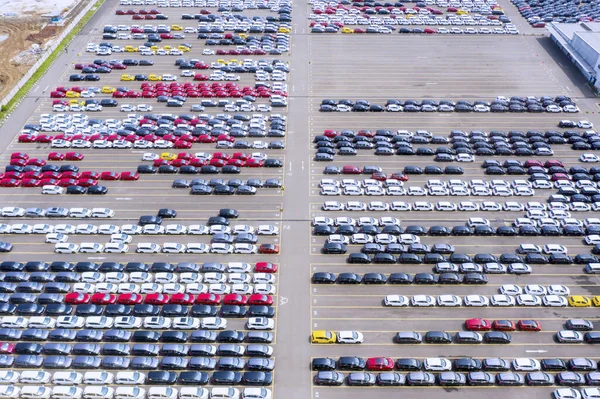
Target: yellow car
(154, 48)
(77, 102)
(222, 61)
(72, 94)
(579, 301)
(168, 156)
(167, 48)
(154, 77)
(462, 12)
(243, 35)
(284, 30)
(185, 49)
(347, 30)
(323, 337)
(176, 27)
(131, 49)
(108, 89)
(596, 301)
(126, 77)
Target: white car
(502, 300)
(350, 337)
(534, 289)
(260, 323)
(333, 205)
(528, 300)
(476, 300)
(554, 300)
(422, 301)
(589, 158)
(267, 229)
(66, 248)
(449, 300)
(148, 248)
(395, 300)
(556, 289)
(526, 364)
(213, 323)
(437, 364)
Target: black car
(439, 337)
(226, 378)
(351, 363)
(161, 378)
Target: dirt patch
(22, 34)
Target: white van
(59, 392)
(35, 392)
(162, 393)
(67, 378)
(193, 393)
(592, 268)
(130, 393)
(103, 392)
(225, 393)
(98, 378)
(9, 392)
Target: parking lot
(214, 143)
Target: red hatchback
(182, 299)
(260, 299)
(20, 155)
(380, 363)
(503, 325)
(156, 299)
(265, 267)
(104, 299)
(130, 176)
(529, 325)
(478, 325)
(130, 299)
(10, 183)
(73, 156)
(208, 299)
(77, 298)
(31, 182)
(7, 347)
(235, 299)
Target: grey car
(328, 378)
(420, 378)
(390, 379)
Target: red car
(217, 162)
(90, 175)
(67, 182)
(51, 175)
(182, 144)
(182, 299)
(532, 162)
(260, 299)
(10, 183)
(36, 162)
(529, 325)
(208, 299)
(31, 182)
(20, 155)
(156, 299)
(254, 163)
(70, 175)
(56, 156)
(14, 175)
(235, 299)
(221, 155)
(130, 176)
(77, 298)
(553, 162)
(478, 325)
(7, 347)
(503, 325)
(560, 176)
(241, 155)
(265, 267)
(18, 162)
(32, 174)
(399, 176)
(109, 176)
(380, 363)
(104, 299)
(268, 249)
(27, 138)
(205, 138)
(351, 170)
(379, 176)
(130, 299)
(235, 162)
(73, 156)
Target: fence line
(46, 54)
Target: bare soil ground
(22, 33)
